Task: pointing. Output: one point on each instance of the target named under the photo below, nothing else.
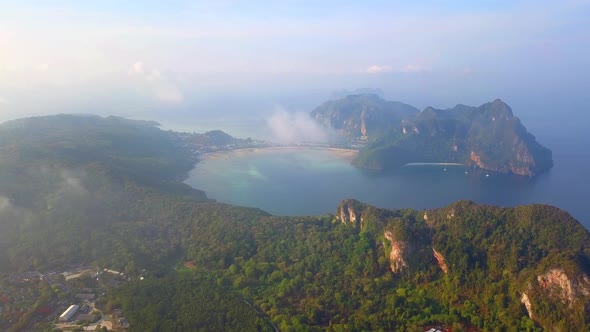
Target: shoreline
(433, 164)
(341, 152)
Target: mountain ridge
(393, 134)
(544, 275)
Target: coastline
(348, 154)
(433, 164)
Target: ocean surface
(312, 182)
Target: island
(392, 134)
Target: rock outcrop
(440, 259)
(567, 289)
(398, 253)
(524, 299)
(537, 255)
(476, 159)
(349, 212)
(556, 286)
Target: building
(87, 318)
(67, 315)
(85, 296)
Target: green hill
(364, 115)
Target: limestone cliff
(527, 304)
(349, 212)
(398, 253)
(363, 116)
(488, 137)
(538, 252)
(440, 259)
(568, 289)
(551, 288)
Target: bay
(312, 181)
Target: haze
(179, 62)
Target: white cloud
(149, 74)
(287, 127)
(102, 58)
(3, 101)
(11, 211)
(72, 184)
(377, 69)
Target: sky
(185, 60)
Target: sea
(313, 181)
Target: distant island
(392, 134)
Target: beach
(347, 154)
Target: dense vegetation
(68, 182)
(186, 302)
(488, 136)
(64, 206)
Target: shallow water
(311, 182)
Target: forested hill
(364, 115)
(105, 192)
(67, 181)
(489, 137)
(134, 148)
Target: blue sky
(160, 57)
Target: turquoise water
(312, 182)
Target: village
(65, 301)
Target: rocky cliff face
(397, 255)
(538, 244)
(524, 299)
(350, 212)
(567, 289)
(489, 137)
(554, 286)
(476, 159)
(398, 247)
(440, 259)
